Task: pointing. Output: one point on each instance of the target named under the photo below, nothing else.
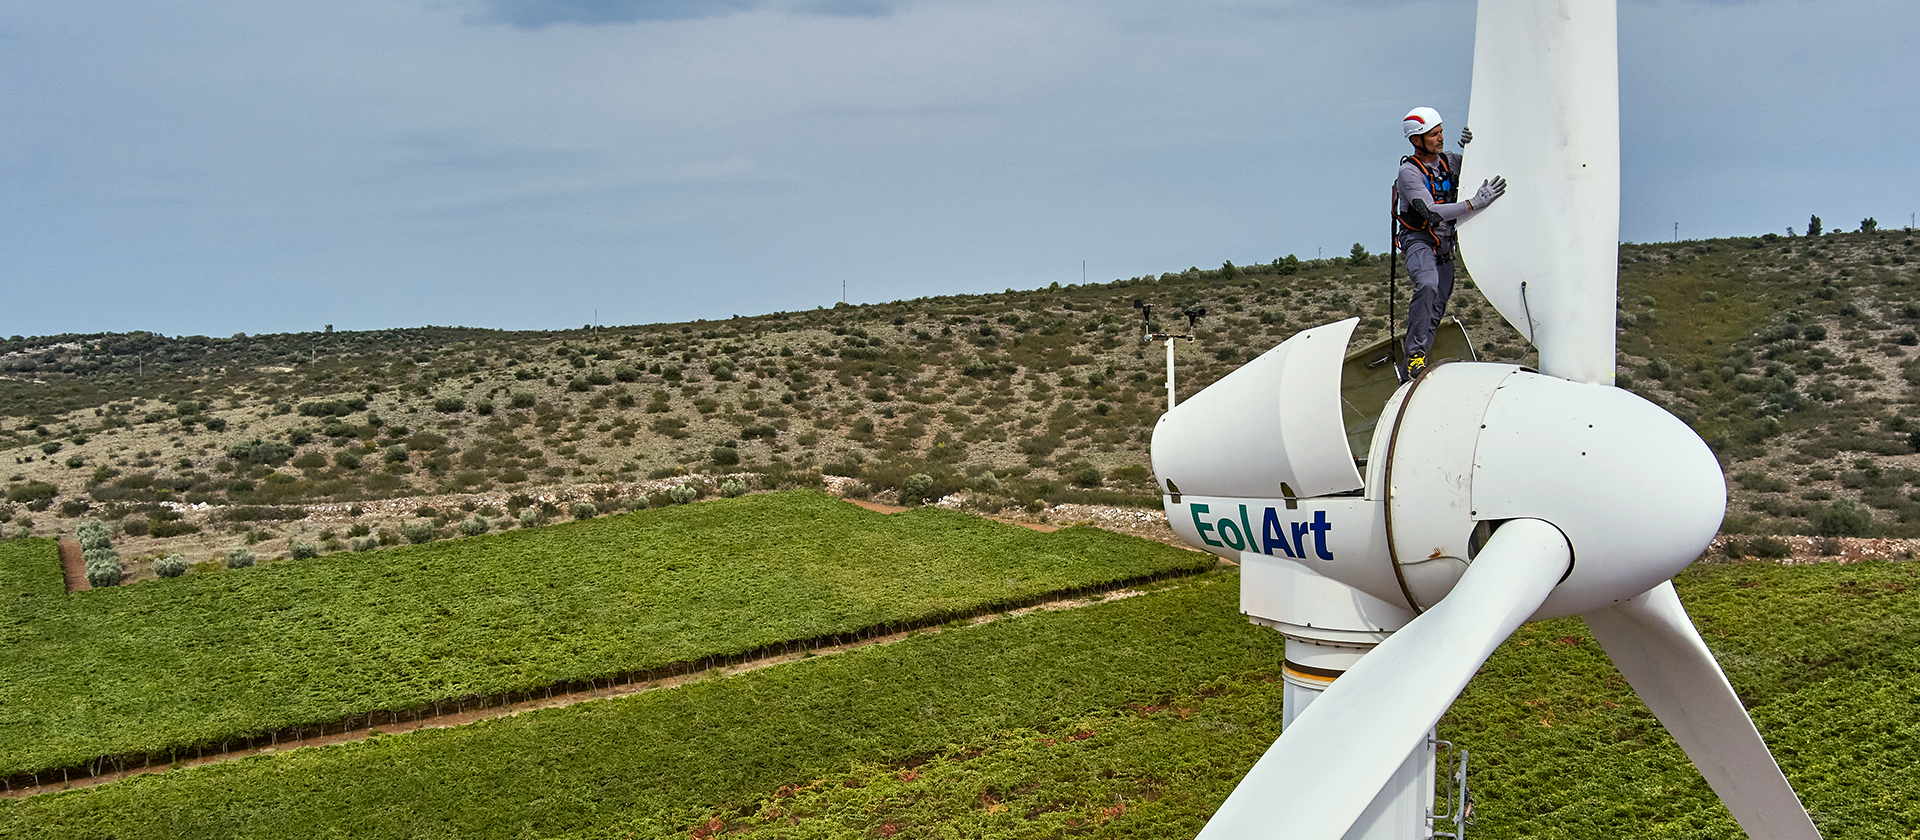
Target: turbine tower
(1396, 534)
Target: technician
(1426, 203)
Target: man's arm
(1413, 188)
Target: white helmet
(1420, 121)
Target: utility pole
(1676, 231)
(1083, 272)
(843, 290)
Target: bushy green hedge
(210, 657)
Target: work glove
(1489, 190)
(1466, 136)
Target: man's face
(1433, 141)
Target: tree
(1228, 271)
(1869, 225)
(1358, 256)
(1813, 226)
(1290, 265)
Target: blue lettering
(1272, 533)
(1299, 530)
(1196, 509)
(1320, 528)
(1230, 534)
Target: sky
(221, 167)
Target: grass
(1128, 719)
(654, 764)
(166, 666)
(1824, 657)
(29, 568)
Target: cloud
(843, 8)
(539, 14)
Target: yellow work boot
(1416, 364)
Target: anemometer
(1193, 314)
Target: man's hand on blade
(1489, 190)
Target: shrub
(1842, 518)
(170, 566)
(684, 493)
(271, 453)
(529, 517)
(417, 532)
(449, 405)
(92, 534)
(171, 528)
(32, 493)
(475, 527)
(359, 544)
(521, 399)
(302, 550)
(240, 558)
(733, 488)
(726, 456)
(1087, 476)
(1770, 548)
(638, 503)
(914, 490)
(103, 566)
(584, 510)
(483, 407)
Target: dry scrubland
(1794, 357)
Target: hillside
(1793, 357)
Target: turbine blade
(1654, 644)
(1326, 768)
(1545, 115)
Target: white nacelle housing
(1273, 422)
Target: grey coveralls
(1429, 251)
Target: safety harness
(1445, 189)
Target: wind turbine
(1484, 495)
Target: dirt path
(465, 716)
(73, 566)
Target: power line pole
(1676, 231)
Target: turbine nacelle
(1458, 452)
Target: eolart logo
(1289, 537)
